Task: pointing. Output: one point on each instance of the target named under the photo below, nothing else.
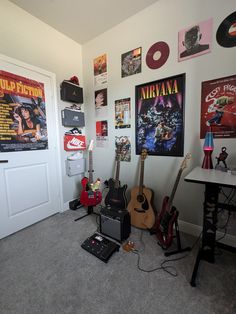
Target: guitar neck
(117, 173)
(141, 177)
(90, 171)
(170, 201)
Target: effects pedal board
(100, 247)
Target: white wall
(26, 38)
(160, 22)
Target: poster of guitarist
(218, 107)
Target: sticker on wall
(101, 102)
(131, 62)
(122, 113)
(157, 55)
(226, 33)
(102, 133)
(124, 144)
(100, 70)
(195, 40)
(218, 107)
(23, 124)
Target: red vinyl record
(157, 55)
(226, 33)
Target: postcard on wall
(100, 70)
(124, 144)
(102, 133)
(131, 62)
(159, 116)
(218, 107)
(122, 113)
(101, 102)
(23, 124)
(195, 40)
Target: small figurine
(222, 157)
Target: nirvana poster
(159, 114)
(218, 107)
(22, 114)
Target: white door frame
(52, 78)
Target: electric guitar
(90, 194)
(140, 208)
(168, 215)
(116, 197)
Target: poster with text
(23, 124)
(122, 113)
(159, 116)
(218, 107)
(102, 133)
(100, 70)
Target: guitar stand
(89, 212)
(179, 247)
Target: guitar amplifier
(115, 223)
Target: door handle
(3, 161)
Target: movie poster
(102, 133)
(122, 113)
(100, 70)
(23, 124)
(124, 143)
(159, 116)
(218, 107)
(131, 62)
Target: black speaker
(115, 223)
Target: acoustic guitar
(140, 207)
(116, 197)
(168, 215)
(90, 194)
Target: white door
(29, 180)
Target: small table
(213, 180)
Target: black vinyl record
(164, 51)
(226, 33)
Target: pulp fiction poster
(159, 116)
(218, 107)
(22, 114)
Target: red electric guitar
(90, 195)
(168, 215)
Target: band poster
(125, 147)
(218, 107)
(100, 102)
(102, 133)
(122, 113)
(159, 116)
(22, 114)
(131, 62)
(100, 70)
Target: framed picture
(159, 116)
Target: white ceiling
(83, 20)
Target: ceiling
(83, 20)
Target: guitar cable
(162, 267)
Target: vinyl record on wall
(157, 55)
(226, 33)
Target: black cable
(165, 268)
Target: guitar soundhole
(140, 198)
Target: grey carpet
(43, 269)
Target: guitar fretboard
(90, 171)
(141, 177)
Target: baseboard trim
(196, 230)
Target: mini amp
(115, 223)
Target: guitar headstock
(144, 154)
(184, 162)
(90, 148)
